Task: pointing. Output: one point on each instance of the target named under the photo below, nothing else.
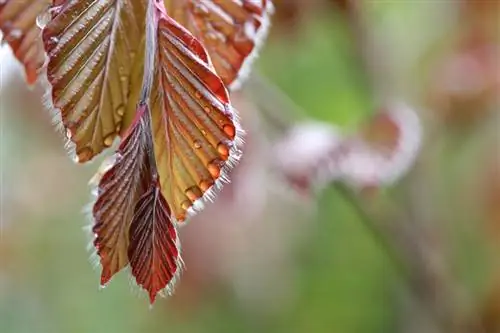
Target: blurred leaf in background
(262, 258)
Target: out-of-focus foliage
(273, 261)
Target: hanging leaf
(96, 54)
(20, 31)
(121, 184)
(132, 219)
(154, 246)
(232, 31)
(194, 128)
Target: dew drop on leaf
(108, 141)
(223, 150)
(84, 155)
(193, 193)
(185, 205)
(121, 110)
(205, 185)
(43, 19)
(229, 130)
(214, 170)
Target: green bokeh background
(346, 283)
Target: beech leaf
(195, 132)
(154, 247)
(18, 25)
(121, 184)
(96, 55)
(232, 31)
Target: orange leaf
(18, 24)
(194, 128)
(232, 31)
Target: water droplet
(193, 193)
(43, 19)
(185, 204)
(205, 185)
(180, 217)
(120, 110)
(197, 94)
(54, 40)
(69, 133)
(223, 150)
(229, 130)
(197, 144)
(54, 10)
(214, 170)
(118, 157)
(207, 109)
(84, 155)
(204, 132)
(108, 141)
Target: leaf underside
(193, 125)
(132, 219)
(118, 190)
(20, 31)
(179, 132)
(231, 30)
(96, 54)
(154, 250)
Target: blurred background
(418, 256)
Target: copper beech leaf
(96, 54)
(182, 142)
(232, 31)
(18, 25)
(194, 128)
(154, 246)
(120, 184)
(132, 220)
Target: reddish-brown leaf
(194, 128)
(120, 186)
(132, 219)
(154, 247)
(232, 31)
(18, 25)
(96, 60)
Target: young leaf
(120, 186)
(194, 128)
(232, 31)
(96, 54)
(154, 246)
(18, 25)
